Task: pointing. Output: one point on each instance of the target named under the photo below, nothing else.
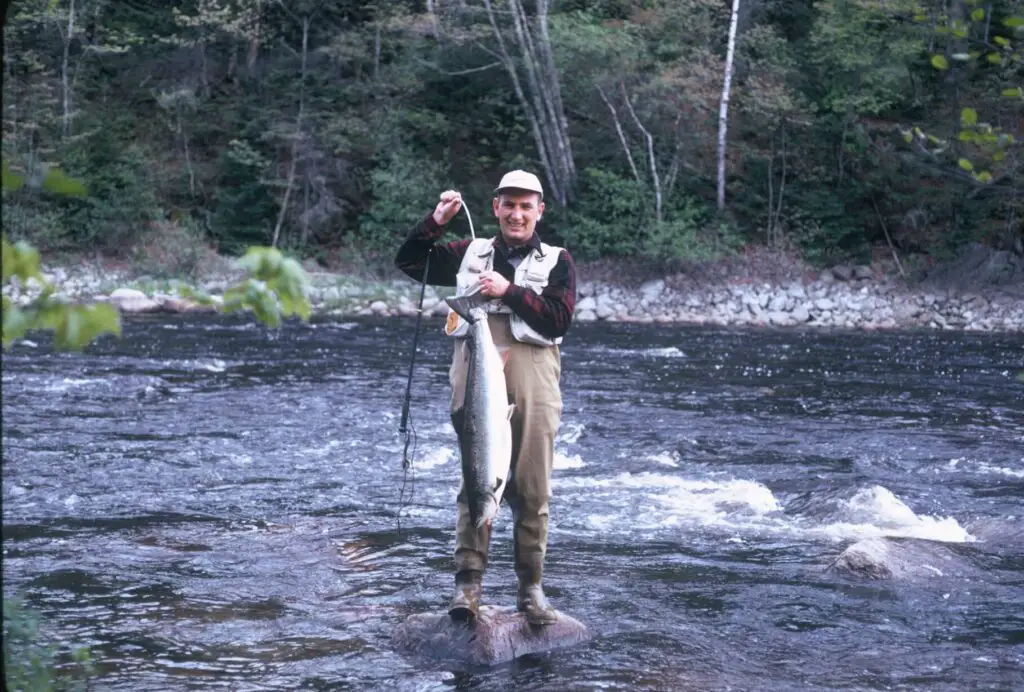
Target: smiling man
(533, 285)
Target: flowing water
(208, 504)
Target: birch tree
(529, 61)
(723, 110)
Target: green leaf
(1002, 41)
(965, 164)
(16, 322)
(1013, 22)
(998, 156)
(12, 182)
(907, 137)
(21, 260)
(978, 14)
(966, 136)
(968, 117)
(1011, 93)
(939, 62)
(994, 58)
(55, 181)
(983, 177)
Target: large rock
(498, 636)
(131, 300)
(886, 558)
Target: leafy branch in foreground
(32, 665)
(73, 326)
(275, 288)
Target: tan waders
(531, 377)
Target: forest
(834, 130)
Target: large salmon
(485, 438)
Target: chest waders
(532, 374)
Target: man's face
(517, 213)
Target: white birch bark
(531, 118)
(723, 110)
(538, 91)
(622, 135)
(65, 84)
(651, 160)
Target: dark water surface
(211, 505)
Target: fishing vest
(532, 273)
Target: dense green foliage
(328, 127)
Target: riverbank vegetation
(845, 127)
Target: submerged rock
(498, 636)
(883, 558)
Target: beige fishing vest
(533, 273)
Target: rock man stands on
(534, 287)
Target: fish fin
(497, 483)
(511, 410)
(464, 305)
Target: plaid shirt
(549, 312)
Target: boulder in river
(131, 300)
(886, 558)
(499, 635)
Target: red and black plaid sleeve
(445, 258)
(550, 312)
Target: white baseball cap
(520, 180)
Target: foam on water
(670, 459)
(965, 465)
(654, 352)
(69, 383)
(669, 352)
(438, 456)
(658, 501)
(570, 433)
(563, 461)
(652, 500)
(1001, 471)
(876, 512)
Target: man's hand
(448, 207)
(493, 284)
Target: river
(209, 504)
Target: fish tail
(487, 513)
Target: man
(533, 285)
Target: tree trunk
(622, 135)
(723, 110)
(541, 98)
(298, 133)
(651, 160)
(65, 85)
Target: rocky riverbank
(728, 294)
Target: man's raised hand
(448, 207)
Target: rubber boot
(465, 605)
(530, 598)
(532, 601)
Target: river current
(209, 504)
